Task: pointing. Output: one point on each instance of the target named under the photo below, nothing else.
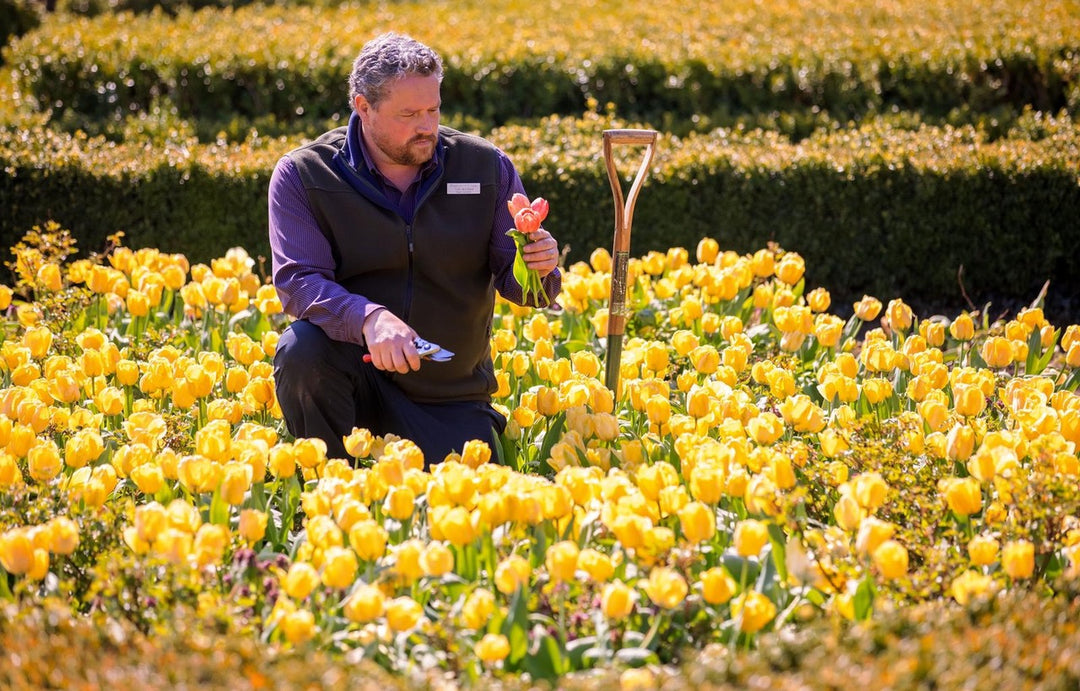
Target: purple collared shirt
(303, 264)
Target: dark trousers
(325, 389)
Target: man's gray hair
(387, 58)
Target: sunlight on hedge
(766, 465)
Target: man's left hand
(542, 252)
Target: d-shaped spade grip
(620, 254)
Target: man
(382, 231)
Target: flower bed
(766, 468)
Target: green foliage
(16, 18)
(736, 62)
(926, 213)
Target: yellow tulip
(561, 561)
(478, 608)
(252, 526)
(868, 308)
(301, 579)
(366, 603)
(339, 567)
(16, 551)
(403, 613)
(963, 495)
(512, 573)
(997, 352)
(1018, 559)
(750, 537)
(717, 586)
(492, 648)
(983, 550)
(617, 600)
(436, 560)
(891, 559)
(753, 611)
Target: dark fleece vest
(435, 274)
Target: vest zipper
(409, 279)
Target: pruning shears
(426, 350)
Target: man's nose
(429, 123)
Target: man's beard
(406, 154)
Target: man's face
(404, 126)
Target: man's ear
(361, 105)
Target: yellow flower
(403, 613)
(818, 299)
(665, 587)
(475, 453)
(298, 626)
(717, 586)
(870, 490)
(970, 584)
(705, 359)
(63, 535)
(368, 539)
(707, 250)
(847, 512)
(252, 525)
(43, 461)
(210, 543)
(960, 442)
(617, 600)
(235, 482)
(891, 559)
(1018, 559)
(492, 648)
(561, 561)
(750, 537)
(968, 400)
(868, 308)
(753, 611)
(478, 608)
(963, 495)
(598, 565)
(765, 428)
(899, 315)
(366, 603)
(698, 522)
(983, 550)
(791, 268)
(512, 573)
(339, 567)
(16, 551)
(802, 414)
(997, 352)
(110, 401)
(872, 533)
(300, 580)
(436, 560)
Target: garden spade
(620, 254)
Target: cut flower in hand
(527, 219)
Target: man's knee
(302, 344)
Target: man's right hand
(390, 342)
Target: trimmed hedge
(880, 210)
(516, 59)
(16, 18)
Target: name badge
(463, 188)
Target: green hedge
(881, 210)
(515, 59)
(16, 18)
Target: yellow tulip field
(765, 467)
(789, 488)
